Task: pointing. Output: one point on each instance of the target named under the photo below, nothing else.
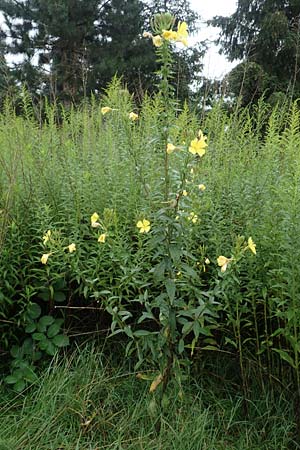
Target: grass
(87, 401)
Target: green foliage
(45, 339)
(266, 37)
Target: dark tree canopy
(265, 34)
(72, 48)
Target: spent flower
(94, 220)
(223, 262)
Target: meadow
(133, 229)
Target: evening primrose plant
(175, 311)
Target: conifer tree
(265, 34)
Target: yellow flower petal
(46, 237)
(105, 110)
(170, 148)
(251, 245)
(133, 116)
(45, 257)
(197, 147)
(182, 33)
(102, 238)
(143, 225)
(202, 187)
(169, 35)
(72, 248)
(157, 41)
(223, 262)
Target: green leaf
(38, 336)
(171, 289)
(140, 333)
(53, 330)
(60, 340)
(59, 296)
(30, 328)
(59, 284)
(45, 295)
(187, 327)
(45, 321)
(11, 379)
(44, 343)
(34, 310)
(175, 253)
(181, 346)
(29, 375)
(51, 349)
(189, 271)
(16, 351)
(285, 356)
(20, 386)
(159, 271)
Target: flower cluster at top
(181, 35)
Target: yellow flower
(102, 238)
(170, 148)
(223, 262)
(45, 257)
(46, 237)
(193, 217)
(94, 220)
(202, 187)
(182, 33)
(251, 245)
(169, 35)
(157, 41)
(105, 110)
(184, 193)
(207, 261)
(197, 146)
(143, 225)
(133, 116)
(72, 248)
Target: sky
(215, 65)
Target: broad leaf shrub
(148, 204)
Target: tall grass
(85, 402)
